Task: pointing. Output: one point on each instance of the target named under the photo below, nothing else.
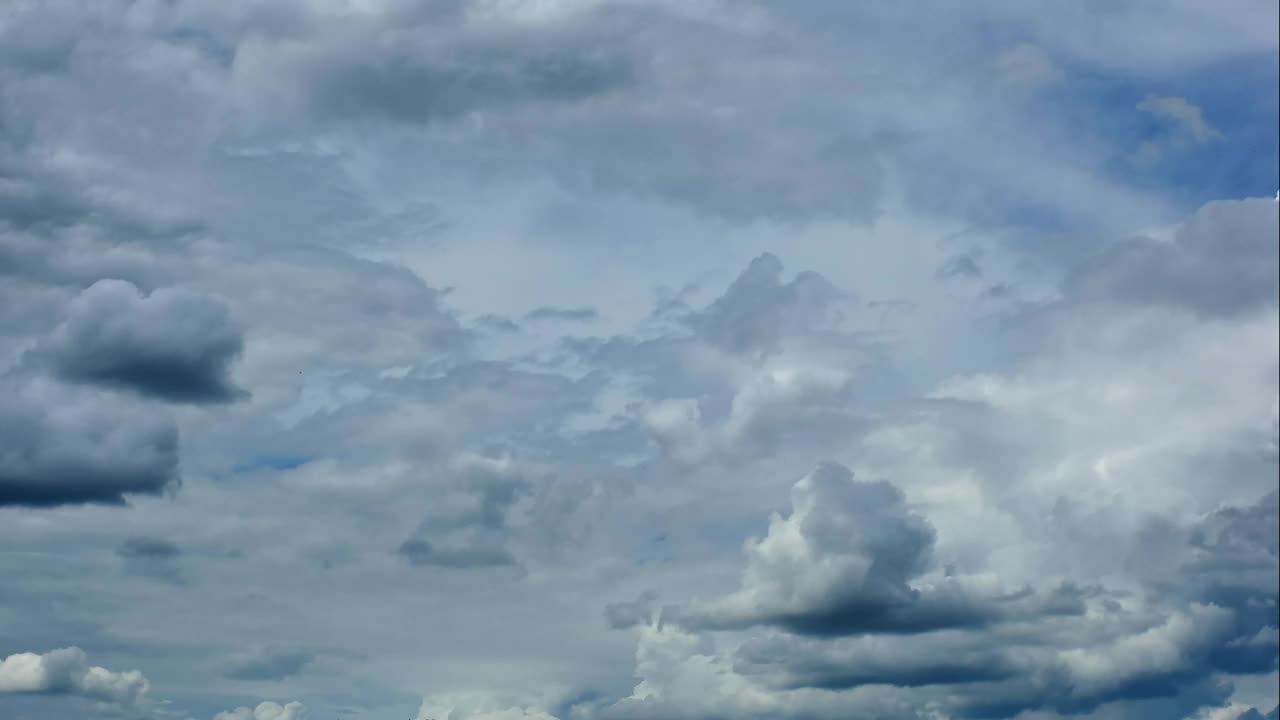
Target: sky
(639, 360)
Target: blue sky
(638, 360)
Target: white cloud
(266, 711)
(67, 671)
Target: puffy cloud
(173, 344)
(67, 672)
(1221, 262)
(63, 446)
(478, 707)
(842, 562)
(758, 311)
(266, 711)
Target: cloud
(67, 672)
(1182, 113)
(477, 707)
(758, 311)
(1222, 261)
(631, 613)
(269, 664)
(469, 528)
(842, 563)
(64, 446)
(173, 344)
(148, 548)
(266, 711)
(579, 314)
(424, 67)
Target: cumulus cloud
(62, 446)
(1221, 262)
(67, 671)
(1081, 512)
(266, 711)
(173, 344)
(478, 707)
(842, 562)
(758, 311)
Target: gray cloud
(579, 314)
(60, 447)
(173, 344)
(631, 613)
(428, 69)
(470, 527)
(1222, 262)
(321, 168)
(963, 265)
(148, 548)
(758, 310)
(269, 664)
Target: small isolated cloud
(64, 446)
(963, 265)
(67, 672)
(266, 711)
(148, 548)
(174, 344)
(574, 314)
(1186, 115)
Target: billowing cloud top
(667, 360)
(173, 344)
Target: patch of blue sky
(1237, 100)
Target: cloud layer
(595, 359)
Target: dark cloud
(148, 548)
(61, 447)
(578, 314)
(1222, 262)
(790, 663)
(173, 344)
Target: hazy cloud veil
(609, 359)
